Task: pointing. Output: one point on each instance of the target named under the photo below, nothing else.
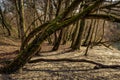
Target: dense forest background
(53, 25)
(19, 21)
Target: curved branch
(110, 5)
(112, 13)
(104, 16)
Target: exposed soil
(62, 70)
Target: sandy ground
(64, 70)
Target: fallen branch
(98, 65)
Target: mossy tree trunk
(26, 54)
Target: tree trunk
(58, 41)
(21, 20)
(86, 41)
(79, 37)
(75, 33)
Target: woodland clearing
(62, 70)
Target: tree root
(6, 70)
(97, 65)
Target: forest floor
(62, 70)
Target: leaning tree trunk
(26, 54)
